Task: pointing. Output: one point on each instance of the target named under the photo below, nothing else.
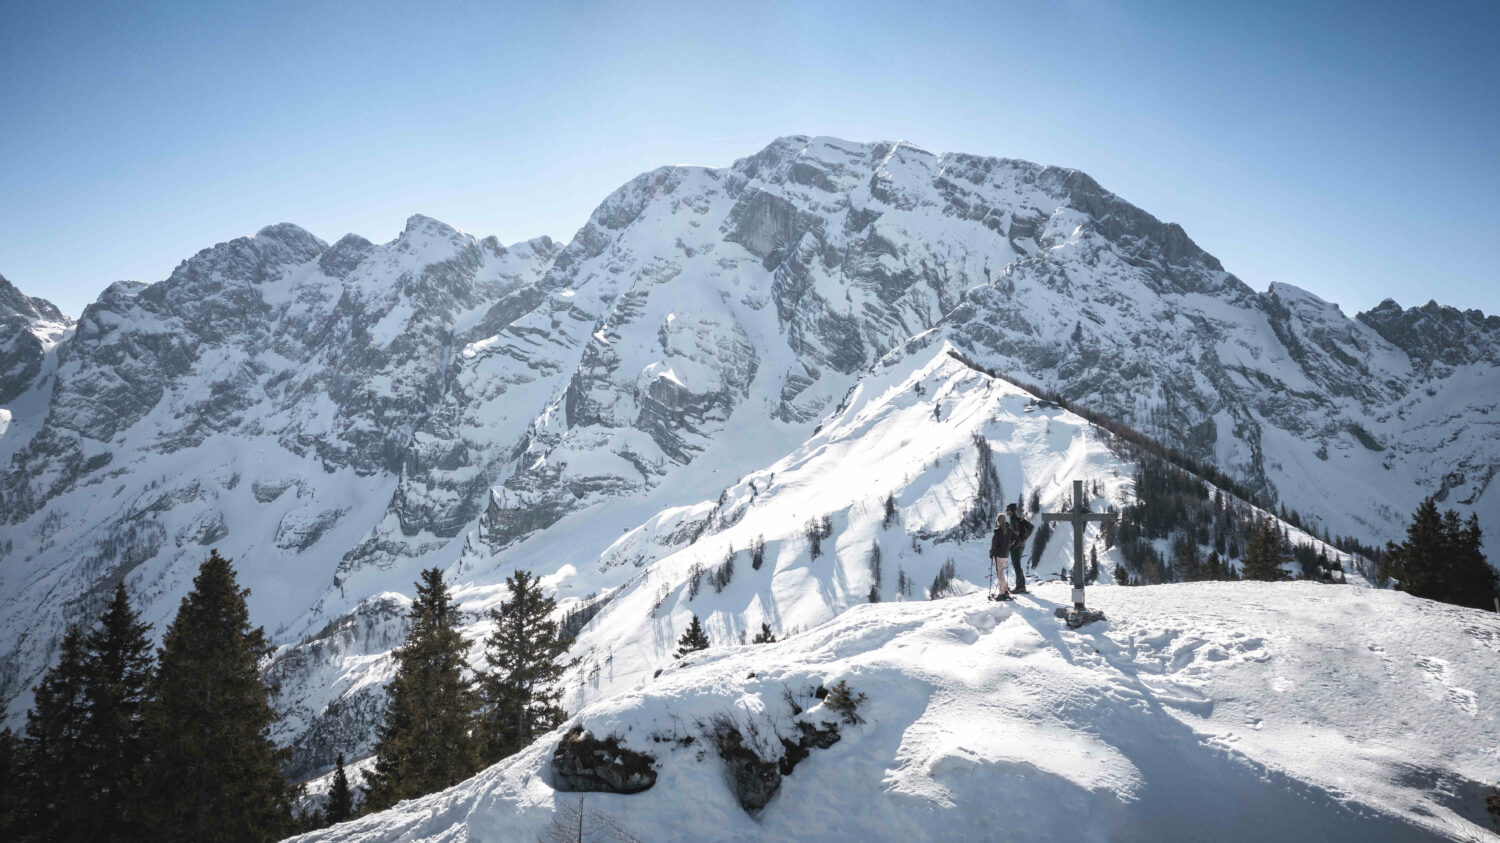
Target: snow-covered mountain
(688, 374)
(1224, 711)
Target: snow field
(1197, 710)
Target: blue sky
(1350, 149)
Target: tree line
(123, 743)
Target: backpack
(1026, 528)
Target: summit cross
(1079, 517)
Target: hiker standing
(1020, 530)
(1000, 544)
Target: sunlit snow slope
(1223, 711)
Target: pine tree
(107, 742)
(11, 771)
(54, 799)
(1266, 552)
(1186, 559)
(1442, 559)
(425, 741)
(1475, 582)
(211, 772)
(692, 640)
(340, 797)
(764, 636)
(1122, 576)
(114, 741)
(520, 691)
(1214, 570)
(1093, 574)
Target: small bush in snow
(843, 701)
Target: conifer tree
(114, 739)
(1186, 560)
(692, 640)
(426, 740)
(53, 799)
(1214, 570)
(340, 797)
(1266, 552)
(765, 636)
(1122, 576)
(1442, 559)
(211, 769)
(10, 785)
(1476, 583)
(521, 695)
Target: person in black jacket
(1020, 529)
(1000, 544)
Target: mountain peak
(423, 224)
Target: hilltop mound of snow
(1226, 711)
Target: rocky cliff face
(29, 327)
(336, 417)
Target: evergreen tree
(764, 636)
(1214, 569)
(1122, 576)
(114, 740)
(340, 797)
(1442, 559)
(520, 692)
(1266, 552)
(1186, 559)
(425, 741)
(1475, 582)
(211, 771)
(1093, 574)
(692, 640)
(10, 785)
(53, 798)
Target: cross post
(1079, 517)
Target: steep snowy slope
(257, 401)
(902, 481)
(1224, 711)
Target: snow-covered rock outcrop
(1230, 711)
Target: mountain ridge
(337, 416)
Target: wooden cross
(1080, 518)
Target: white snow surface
(1224, 711)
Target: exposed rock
(583, 763)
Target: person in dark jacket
(1019, 530)
(1000, 544)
